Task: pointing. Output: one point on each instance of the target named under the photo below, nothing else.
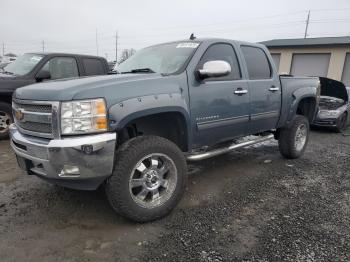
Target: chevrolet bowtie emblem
(19, 115)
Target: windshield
(23, 65)
(164, 59)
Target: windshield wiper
(7, 72)
(139, 70)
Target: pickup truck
(134, 132)
(37, 67)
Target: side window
(93, 66)
(61, 67)
(223, 52)
(257, 63)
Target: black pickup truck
(37, 67)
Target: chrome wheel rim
(5, 121)
(300, 137)
(153, 180)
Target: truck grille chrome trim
(37, 118)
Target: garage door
(276, 58)
(346, 71)
(310, 64)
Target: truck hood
(8, 83)
(333, 88)
(6, 76)
(114, 88)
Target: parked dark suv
(37, 67)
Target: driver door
(219, 105)
(59, 68)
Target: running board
(220, 151)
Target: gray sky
(70, 25)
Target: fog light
(87, 149)
(69, 171)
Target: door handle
(274, 89)
(240, 91)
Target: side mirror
(215, 68)
(43, 75)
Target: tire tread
(130, 150)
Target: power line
(320, 21)
(242, 20)
(214, 29)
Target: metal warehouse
(324, 56)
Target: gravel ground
(250, 205)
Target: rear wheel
(293, 140)
(341, 123)
(6, 120)
(148, 180)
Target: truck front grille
(36, 127)
(36, 118)
(35, 108)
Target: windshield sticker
(35, 58)
(187, 45)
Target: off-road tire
(127, 156)
(288, 136)
(5, 109)
(341, 123)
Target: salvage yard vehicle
(334, 106)
(38, 67)
(133, 132)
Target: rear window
(93, 66)
(257, 63)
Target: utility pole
(3, 49)
(307, 24)
(116, 46)
(96, 43)
(43, 43)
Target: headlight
(327, 113)
(79, 117)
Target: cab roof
(63, 54)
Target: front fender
(128, 110)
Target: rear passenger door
(264, 90)
(93, 66)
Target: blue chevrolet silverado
(171, 103)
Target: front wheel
(5, 120)
(293, 140)
(148, 180)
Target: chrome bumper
(72, 159)
(327, 122)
